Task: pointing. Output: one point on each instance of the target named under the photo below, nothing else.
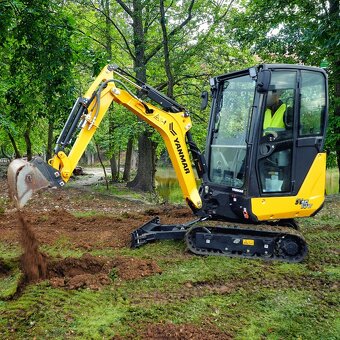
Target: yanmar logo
(181, 156)
(179, 149)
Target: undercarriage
(202, 237)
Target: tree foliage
(298, 31)
(37, 83)
(51, 50)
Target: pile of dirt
(94, 272)
(172, 211)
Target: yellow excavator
(258, 172)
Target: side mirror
(204, 100)
(253, 72)
(263, 81)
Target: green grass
(121, 191)
(282, 314)
(273, 314)
(9, 283)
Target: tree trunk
(167, 64)
(114, 169)
(14, 144)
(145, 178)
(113, 162)
(103, 166)
(337, 115)
(49, 139)
(127, 166)
(118, 163)
(28, 143)
(335, 55)
(108, 43)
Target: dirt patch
(129, 268)
(183, 331)
(173, 211)
(54, 222)
(95, 272)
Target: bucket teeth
(23, 180)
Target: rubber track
(279, 230)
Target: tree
(176, 46)
(142, 18)
(41, 59)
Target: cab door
(310, 125)
(287, 150)
(276, 148)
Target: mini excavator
(256, 179)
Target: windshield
(228, 146)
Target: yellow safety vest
(275, 121)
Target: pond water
(169, 190)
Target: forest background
(50, 51)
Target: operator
(274, 114)
(276, 163)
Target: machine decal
(171, 129)
(246, 242)
(181, 156)
(304, 203)
(237, 190)
(160, 119)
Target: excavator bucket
(25, 178)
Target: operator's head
(273, 97)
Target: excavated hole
(95, 272)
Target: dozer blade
(25, 178)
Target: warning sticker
(247, 242)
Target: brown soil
(49, 219)
(183, 331)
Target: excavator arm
(171, 121)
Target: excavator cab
(264, 145)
